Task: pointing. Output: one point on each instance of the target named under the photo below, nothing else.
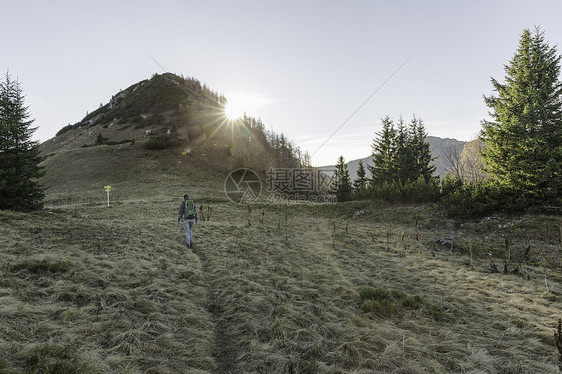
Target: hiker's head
(186, 196)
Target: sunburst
(241, 102)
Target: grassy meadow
(274, 289)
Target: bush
(421, 191)
(158, 142)
(450, 184)
(100, 139)
(418, 191)
(480, 199)
(414, 303)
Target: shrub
(159, 142)
(100, 139)
(421, 190)
(481, 199)
(409, 302)
(418, 191)
(450, 184)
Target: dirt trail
(224, 351)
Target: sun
(241, 102)
(234, 109)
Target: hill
(440, 148)
(156, 135)
(357, 287)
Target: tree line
(400, 156)
(255, 147)
(519, 148)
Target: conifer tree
(422, 159)
(523, 139)
(404, 159)
(342, 183)
(360, 184)
(383, 150)
(401, 154)
(19, 155)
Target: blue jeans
(187, 225)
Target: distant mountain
(439, 148)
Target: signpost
(107, 189)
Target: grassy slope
(79, 175)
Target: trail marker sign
(107, 189)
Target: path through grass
(270, 289)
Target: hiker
(188, 215)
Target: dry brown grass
(92, 289)
(127, 298)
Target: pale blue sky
(312, 62)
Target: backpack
(189, 212)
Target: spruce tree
(401, 154)
(523, 139)
(360, 184)
(19, 155)
(383, 150)
(342, 183)
(421, 153)
(404, 160)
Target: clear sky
(304, 67)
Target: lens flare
(234, 109)
(241, 102)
